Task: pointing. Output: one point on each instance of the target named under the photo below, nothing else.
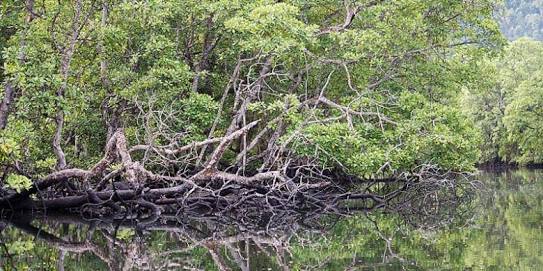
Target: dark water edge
(497, 165)
(496, 226)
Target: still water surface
(500, 227)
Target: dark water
(500, 227)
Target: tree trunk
(67, 55)
(9, 95)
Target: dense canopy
(508, 108)
(366, 86)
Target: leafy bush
(18, 182)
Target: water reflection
(498, 229)
(501, 229)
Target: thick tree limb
(66, 59)
(5, 106)
(221, 148)
(350, 14)
(350, 111)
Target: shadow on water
(496, 227)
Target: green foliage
(9, 150)
(430, 133)
(20, 247)
(18, 182)
(507, 107)
(277, 26)
(161, 68)
(197, 111)
(161, 82)
(441, 135)
(523, 120)
(332, 144)
(125, 234)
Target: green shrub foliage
(364, 86)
